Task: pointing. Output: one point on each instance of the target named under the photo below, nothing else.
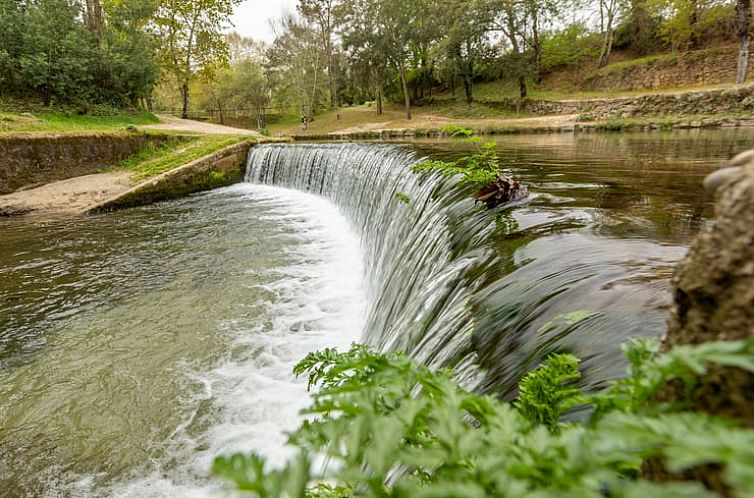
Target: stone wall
(222, 168)
(27, 160)
(700, 67)
(728, 101)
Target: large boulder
(714, 293)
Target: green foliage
(152, 161)
(545, 394)
(457, 131)
(241, 85)
(392, 428)
(402, 197)
(48, 53)
(477, 170)
(569, 47)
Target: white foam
(319, 302)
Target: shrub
(477, 170)
(392, 428)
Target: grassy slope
(56, 121)
(365, 118)
(146, 163)
(496, 91)
(152, 161)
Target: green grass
(499, 90)
(154, 160)
(641, 61)
(70, 122)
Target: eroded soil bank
(30, 160)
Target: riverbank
(534, 126)
(660, 110)
(78, 171)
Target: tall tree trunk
(379, 99)
(220, 108)
(640, 20)
(523, 92)
(511, 32)
(468, 79)
(468, 86)
(607, 47)
(331, 73)
(743, 13)
(404, 84)
(694, 26)
(606, 11)
(185, 98)
(537, 48)
(95, 19)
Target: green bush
(569, 47)
(477, 170)
(48, 54)
(392, 428)
(453, 130)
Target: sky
(251, 17)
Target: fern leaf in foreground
(391, 428)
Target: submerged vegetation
(391, 428)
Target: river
(136, 346)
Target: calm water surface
(136, 346)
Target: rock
(504, 189)
(714, 294)
(715, 179)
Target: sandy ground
(75, 195)
(170, 123)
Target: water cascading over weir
(439, 286)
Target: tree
(95, 19)
(389, 28)
(743, 15)
(367, 53)
(510, 20)
(609, 9)
(57, 53)
(538, 14)
(466, 43)
(297, 64)
(192, 41)
(242, 85)
(129, 65)
(322, 14)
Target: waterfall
(419, 296)
(489, 293)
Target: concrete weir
(219, 169)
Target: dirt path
(170, 123)
(429, 121)
(75, 195)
